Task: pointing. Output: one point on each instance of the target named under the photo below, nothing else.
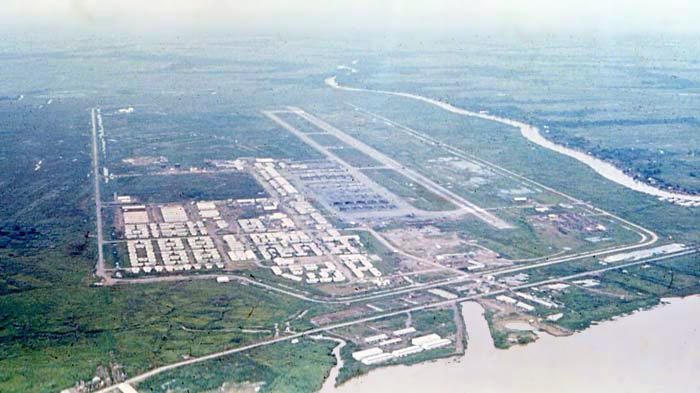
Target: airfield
(248, 213)
(397, 240)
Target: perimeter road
(100, 267)
(503, 171)
(216, 355)
(646, 240)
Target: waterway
(651, 351)
(533, 134)
(329, 384)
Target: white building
(399, 353)
(359, 355)
(376, 338)
(403, 332)
(430, 341)
(379, 358)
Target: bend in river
(533, 134)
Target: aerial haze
(354, 196)
(569, 16)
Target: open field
(513, 152)
(416, 194)
(189, 114)
(145, 326)
(186, 140)
(197, 323)
(187, 186)
(355, 158)
(275, 368)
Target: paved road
(532, 133)
(292, 293)
(643, 232)
(455, 199)
(648, 237)
(388, 292)
(405, 254)
(100, 267)
(442, 303)
(402, 209)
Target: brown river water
(652, 351)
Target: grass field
(414, 193)
(189, 139)
(328, 140)
(197, 104)
(55, 328)
(374, 246)
(183, 187)
(506, 147)
(77, 328)
(281, 367)
(625, 291)
(356, 158)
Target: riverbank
(329, 383)
(534, 135)
(645, 352)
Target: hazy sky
(635, 16)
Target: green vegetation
(55, 328)
(281, 367)
(563, 269)
(356, 158)
(624, 291)
(328, 140)
(416, 194)
(204, 104)
(189, 139)
(520, 242)
(389, 259)
(44, 230)
(300, 123)
(505, 146)
(200, 186)
(584, 307)
(675, 166)
(440, 321)
(619, 292)
(500, 338)
(77, 328)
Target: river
(533, 134)
(652, 351)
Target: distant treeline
(649, 166)
(579, 123)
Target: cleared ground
(187, 186)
